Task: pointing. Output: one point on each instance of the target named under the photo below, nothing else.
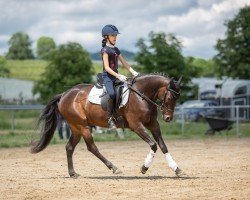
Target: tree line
(70, 63)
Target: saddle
(119, 87)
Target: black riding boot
(110, 110)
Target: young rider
(110, 56)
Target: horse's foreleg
(70, 147)
(141, 131)
(93, 149)
(156, 132)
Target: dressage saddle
(104, 96)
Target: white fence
(236, 114)
(13, 108)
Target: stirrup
(111, 123)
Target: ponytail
(104, 41)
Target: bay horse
(140, 113)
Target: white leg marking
(149, 159)
(171, 163)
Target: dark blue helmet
(109, 30)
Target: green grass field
(26, 69)
(32, 69)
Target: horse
(147, 93)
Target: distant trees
(20, 47)
(162, 53)
(205, 68)
(69, 65)
(44, 47)
(4, 72)
(233, 58)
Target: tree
(20, 47)
(68, 65)
(204, 67)
(44, 47)
(4, 72)
(233, 58)
(162, 53)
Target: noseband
(163, 107)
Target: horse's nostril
(168, 118)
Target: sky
(196, 23)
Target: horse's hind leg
(70, 147)
(93, 149)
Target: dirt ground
(217, 169)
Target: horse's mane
(153, 74)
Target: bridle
(162, 107)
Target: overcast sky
(197, 23)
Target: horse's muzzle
(167, 118)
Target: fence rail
(235, 113)
(13, 108)
(238, 114)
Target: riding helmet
(109, 30)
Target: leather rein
(162, 107)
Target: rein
(162, 106)
(143, 96)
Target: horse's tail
(48, 119)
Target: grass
(32, 69)
(22, 139)
(26, 69)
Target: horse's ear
(179, 81)
(171, 82)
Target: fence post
(182, 121)
(12, 121)
(237, 121)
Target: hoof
(144, 169)
(117, 171)
(74, 175)
(180, 173)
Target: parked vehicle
(195, 110)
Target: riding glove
(122, 78)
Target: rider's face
(112, 39)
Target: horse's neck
(150, 86)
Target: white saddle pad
(95, 93)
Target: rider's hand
(122, 78)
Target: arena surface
(218, 169)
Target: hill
(128, 55)
(26, 69)
(32, 69)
